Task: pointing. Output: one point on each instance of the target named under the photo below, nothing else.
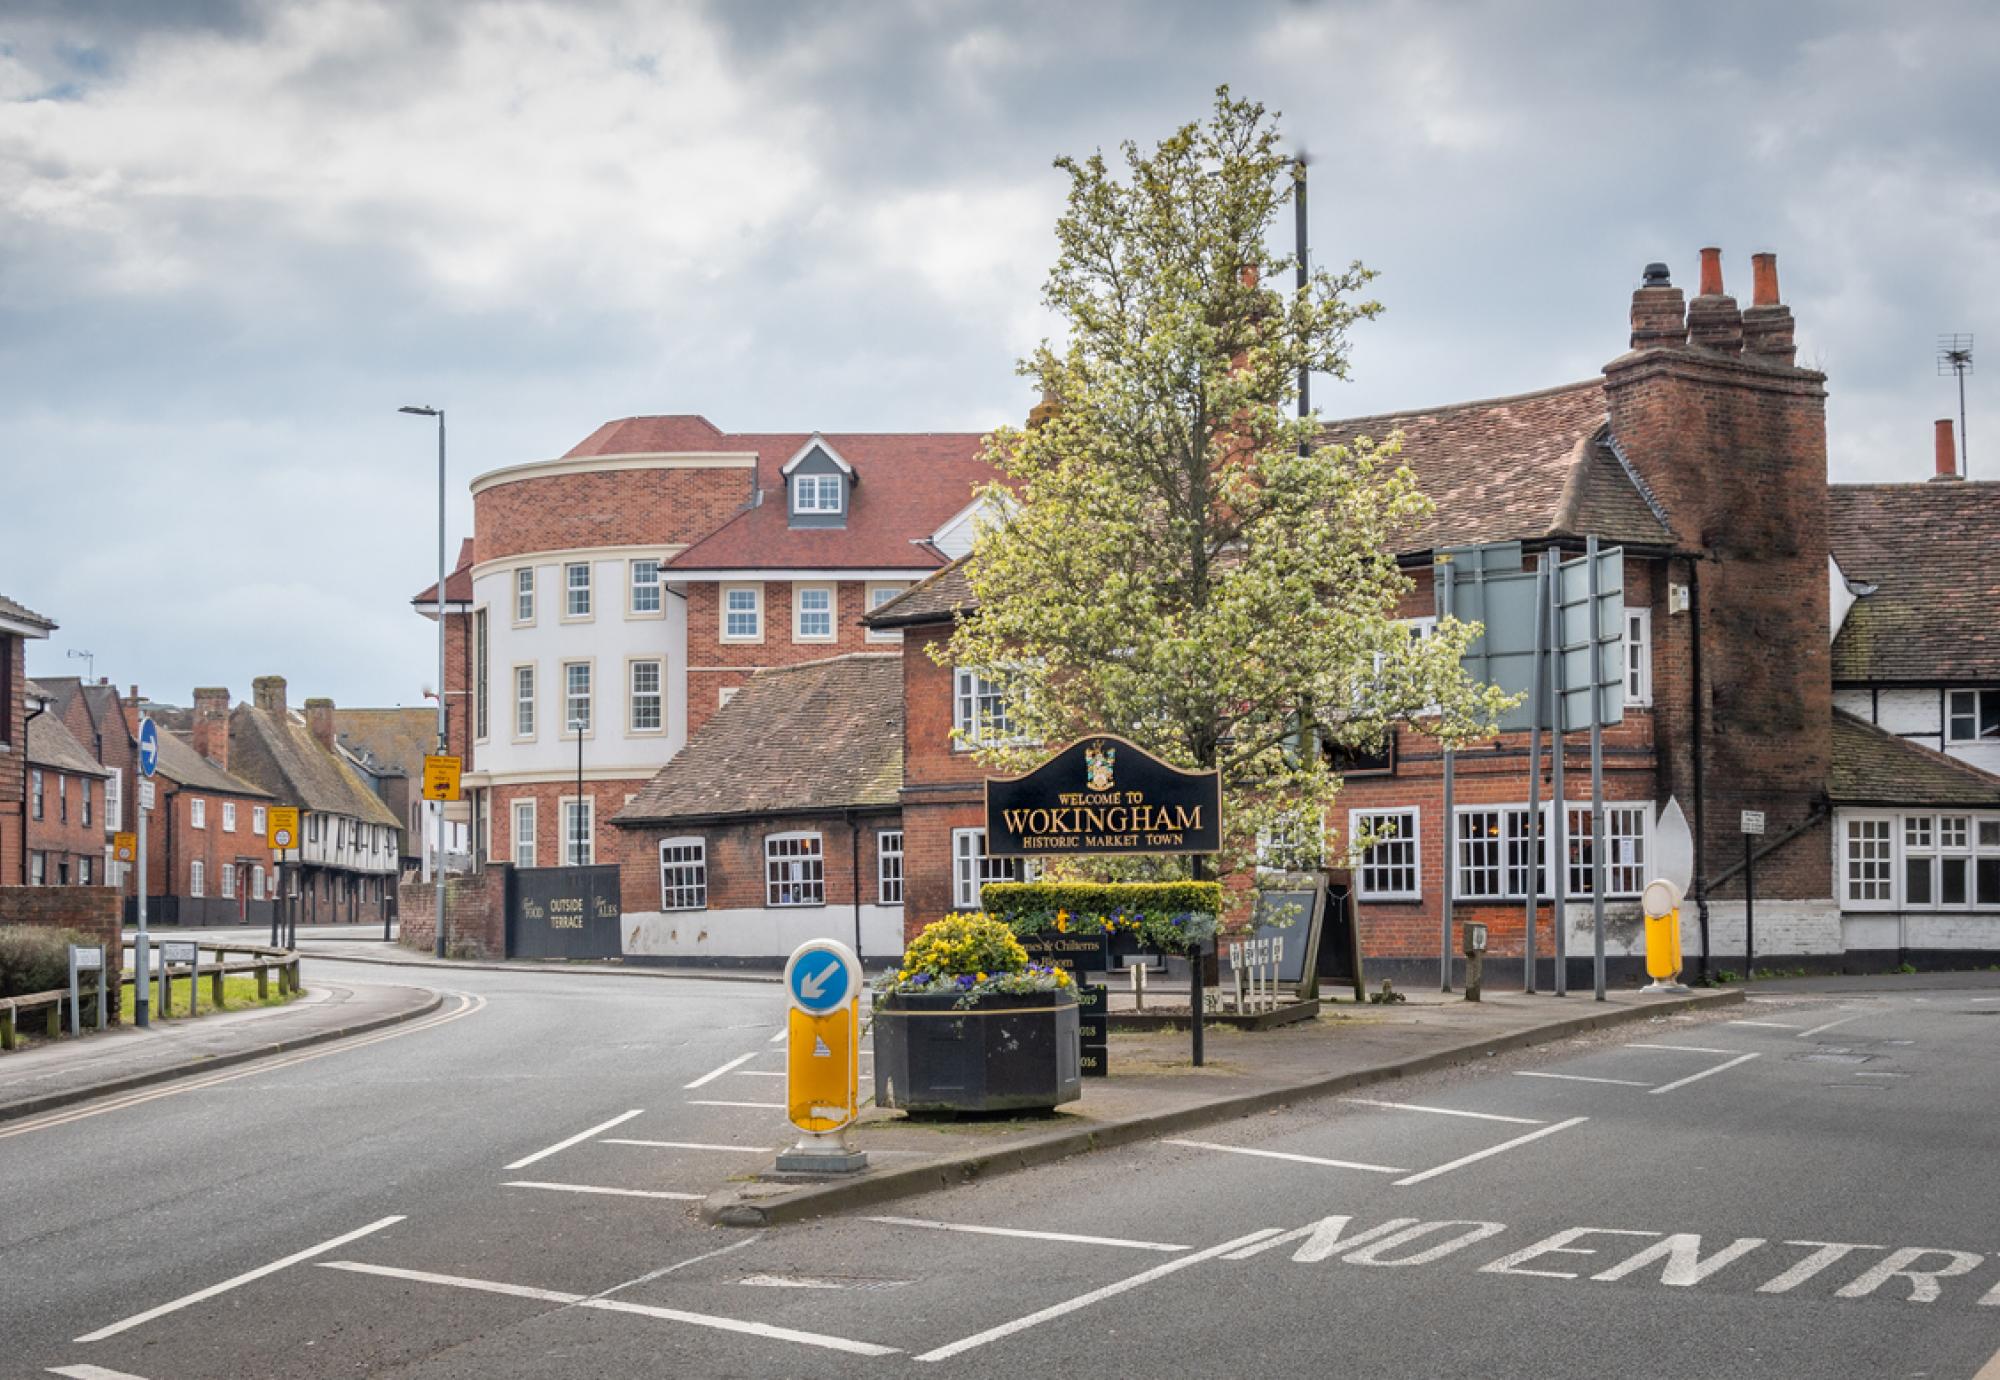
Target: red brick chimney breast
(268, 693)
(1714, 323)
(1767, 324)
(1659, 315)
(319, 718)
(211, 724)
(1947, 451)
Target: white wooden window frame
(197, 879)
(831, 612)
(1869, 839)
(228, 817)
(522, 708)
(889, 867)
(635, 698)
(751, 626)
(521, 843)
(684, 873)
(197, 812)
(570, 698)
(1980, 702)
(644, 597)
(579, 601)
(1409, 831)
(568, 814)
(1638, 654)
(821, 494)
(978, 710)
(972, 869)
(257, 820)
(524, 596)
(228, 877)
(794, 869)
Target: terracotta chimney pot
(1947, 451)
(1763, 280)
(1711, 272)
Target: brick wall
(563, 512)
(174, 845)
(608, 798)
(13, 740)
(714, 664)
(735, 852)
(61, 836)
(475, 912)
(91, 909)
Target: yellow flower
(980, 978)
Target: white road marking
(483, 1286)
(714, 1074)
(761, 1106)
(1828, 1252)
(1705, 1073)
(93, 1372)
(1687, 1049)
(760, 1073)
(1804, 1034)
(1444, 1111)
(1286, 1155)
(1032, 1235)
(1145, 1277)
(1322, 1238)
(1768, 1025)
(1579, 1078)
(775, 1039)
(612, 1192)
(1490, 1151)
(652, 1275)
(245, 1278)
(780, 1282)
(576, 1139)
(691, 1145)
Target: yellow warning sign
(125, 847)
(823, 1068)
(441, 776)
(281, 826)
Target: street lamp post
(437, 923)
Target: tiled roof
(398, 738)
(21, 613)
(1872, 766)
(1933, 552)
(51, 744)
(1531, 466)
(678, 434)
(457, 581)
(908, 485)
(285, 759)
(933, 599)
(100, 702)
(818, 736)
(180, 762)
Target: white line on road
(246, 1277)
(576, 1139)
(714, 1074)
(761, 1106)
(483, 1286)
(994, 1334)
(758, 1073)
(1768, 1025)
(1579, 1078)
(691, 1145)
(1032, 1235)
(1490, 1151)
(1686, 1049)
(613, 1192)
(1445, 1111)
(779, 1036)
(1286, 1155)
(652, 1275)
(1829, 1025)
(1705, 1073)
(1977, 1001)
(93, 1372)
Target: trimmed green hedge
(34, 958)
(1172, 917)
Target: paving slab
(1154, 1090)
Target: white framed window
(480, 696)
(524, 701)
(576, 696)
(257, 882)
(228, 816)
(1389, 868)
(579, 831)
(645, 599)
(62, 798)
(38, 869)
(971, 869)
(816, 493)
(742, 613)
(889, 867)
(1294, 843)
(1638, 656)
(197, 813)
(877, 595)
(576, 590)
(683, 874)
(794, 870)
(646, 714)
(1625, 830)
(524, 833)
(1972, 716)
(257, 821)
(1867, 865)
(83, 871)
(197, 878)
(524, 595)
(84, 783)
(1947, 862)
(979, 709)
(228, 877)
(812, 613)
(114, 801)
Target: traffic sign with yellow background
(124, 847)
(441, 777)
(823, 1027)
(281, 827)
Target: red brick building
(18, 623)
(65, 804)
(95, 714)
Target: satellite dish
(1673, 848)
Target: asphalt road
(1802, 1187)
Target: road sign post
(1753, 828)
(823, 1057)
(149, 762)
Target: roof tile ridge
(835, 659)
(1581, 385)
(1638, 481)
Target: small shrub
(1170, 917)
(972, 956)
(36, 959)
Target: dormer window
(817, 493)
(816, 483)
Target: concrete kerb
(727, 1208)
(529, 966)
(14, 1111)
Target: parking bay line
(691, 1145)
(1768, 1025)
(714, 1074)
(1579, 1078)
(1489, 1152)
(576, 1139)
(1705, 1073)
(1829, 1025)
(609, 1192)
(1032, 1235)
(760, 1106)
(1284, 1155)
(1686, 1049)
(1145, 1277)
(1445, 1111)
(246, 1277)
(608, 1305)
(93, 1373)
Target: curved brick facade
(619, 507)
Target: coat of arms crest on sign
(1097, 760)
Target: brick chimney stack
(1713, 321)
(211, 724)
(1767, 325)
(1947, 451)
(319, 718)
(1659, 315)
(268, 693)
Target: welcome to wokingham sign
(1103, 795)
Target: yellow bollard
(1661, 901)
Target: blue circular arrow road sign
(149, 746)
(819, 977)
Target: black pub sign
(1102, 794)
(564, 912)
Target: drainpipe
(1700, 794)
(28, 786)
(854, 873)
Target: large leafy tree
(1185, 564)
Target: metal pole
(1964, 445)
(579, 787)
(438, 869)
(1749, 908)
(1537, 706)
(1596, 772)
(1299, 213)
(142, 1007)
(1559, 804)
(1441, 571)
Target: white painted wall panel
(759, 933)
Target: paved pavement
(1796, 1187)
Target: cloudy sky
(235, 236)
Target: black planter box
(1001, 1054)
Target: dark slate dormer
(819, 486)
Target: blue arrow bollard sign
(149, 746)
(819, 979)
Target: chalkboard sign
(1298, 939)
(564, 912)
